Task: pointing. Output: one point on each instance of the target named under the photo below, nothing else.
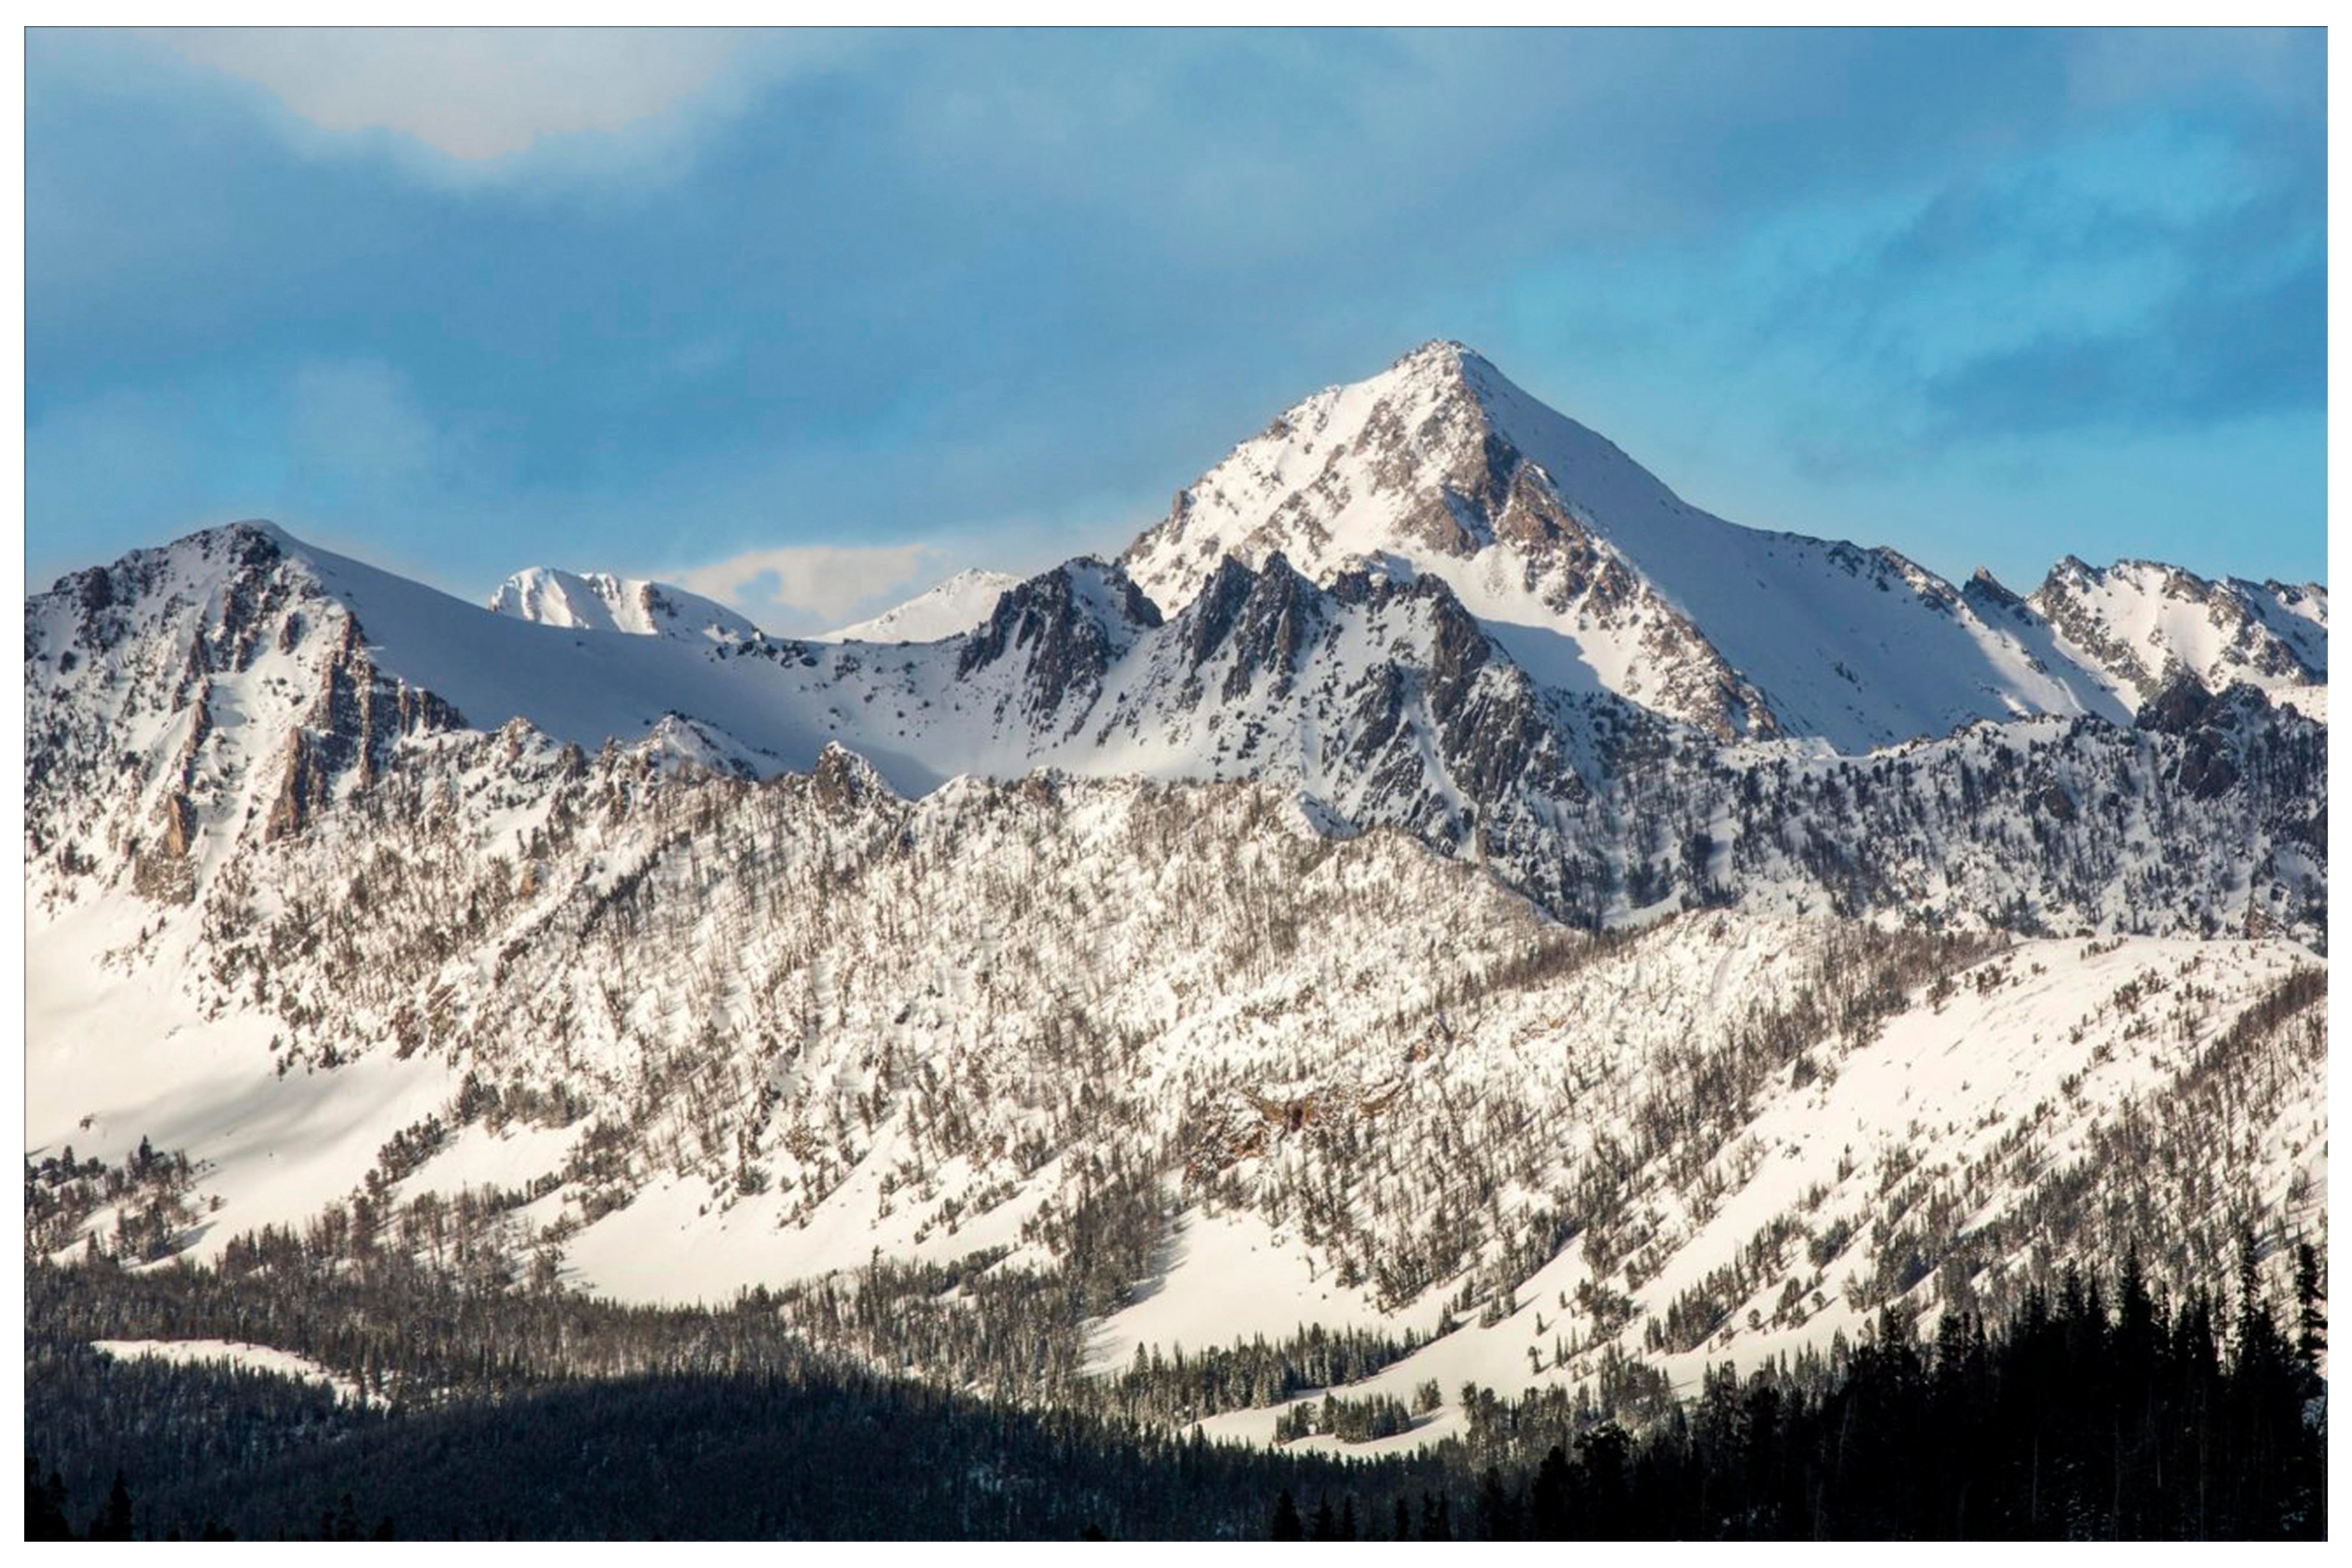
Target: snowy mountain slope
(1595, 575)
(958, 605)
(700, 1033)
(2060, 1100)
(2142, 623)
(236, 651)
(234, 1353)
(600, 601)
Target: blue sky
(814, 318)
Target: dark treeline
(678, 1422)
(2096, 1409)
(2075, 1418)
(822, 1454)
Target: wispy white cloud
(812, 587)
(482, 97)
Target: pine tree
(45, 1512)
(1286, 1526)
(114, 1523)
(2257, 1334)
(2310, 1317)
(1548, 1498)
(1499, 1514)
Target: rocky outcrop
(355, 719)
(1271, 630)
(1064, 629)
(2134, 621)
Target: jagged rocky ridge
(1377, 701)
(2147, 624)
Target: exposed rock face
(1275, 622)
(1069, 625)
(1989, 595)
(355, 719)
(226, 616)
(179, 825)
(1210, 618)
(2220, 732)
(301, 790)
(2179, 708)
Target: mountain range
(1434, 884)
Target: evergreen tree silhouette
(114, 1523)
(45, 1504)
(2310, 1317)
(1548, 1498)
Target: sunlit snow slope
(958, 605)
(599, 601)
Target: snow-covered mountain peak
(601, 601)
(1596, 575)
(263, 527)
(1442, 356)
(1081, 593)
(2145, 623)
(1992, 598)
(959, 604)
